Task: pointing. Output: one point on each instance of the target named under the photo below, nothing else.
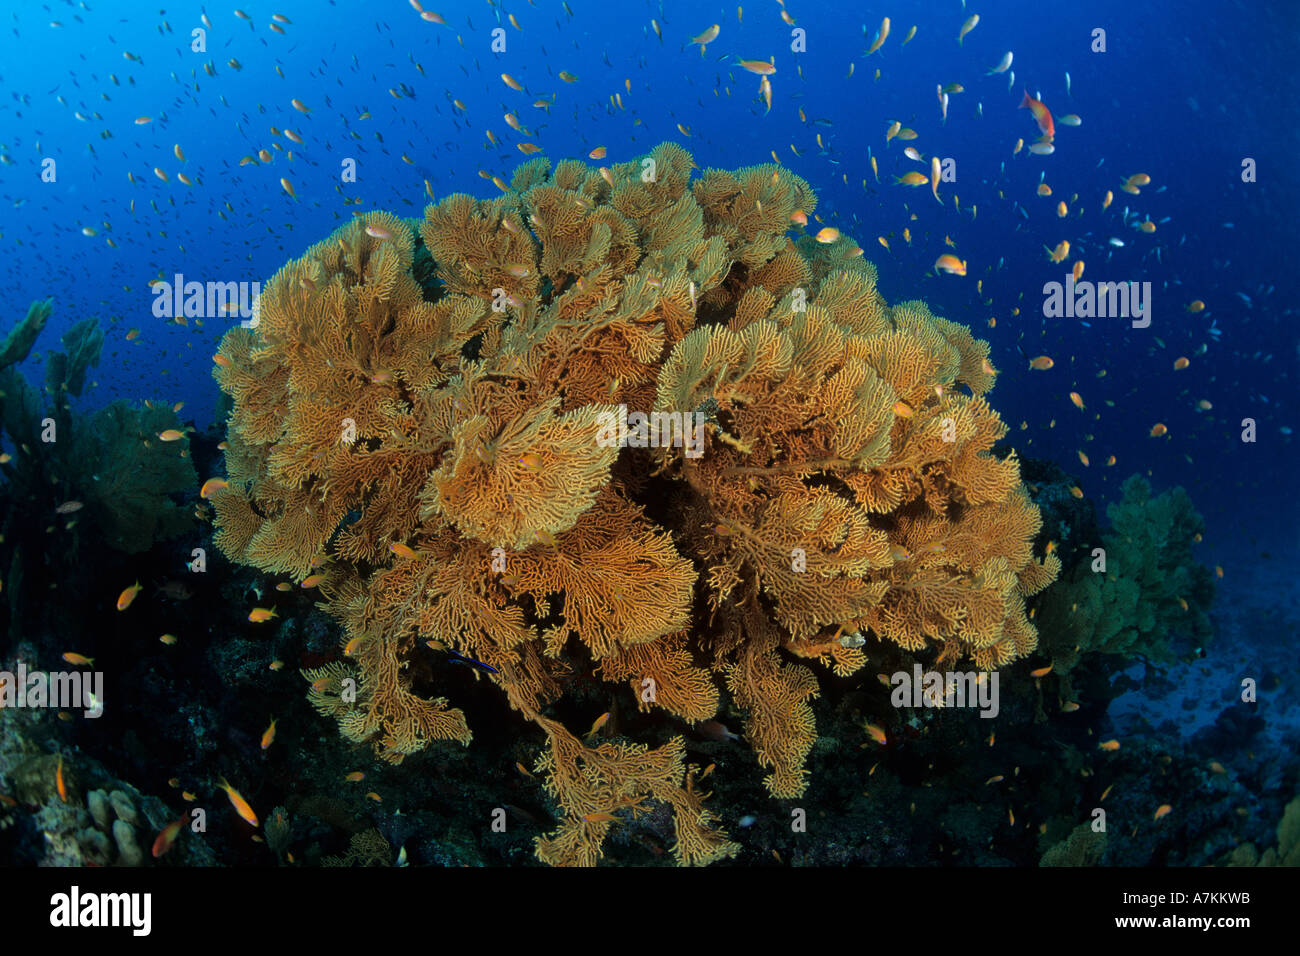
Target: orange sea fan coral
(619, 423)
(383, 707)
(780, 726)
(664, 674)
(622, 581)
(595, 785)
(522, 483)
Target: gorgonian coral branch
(424, 415)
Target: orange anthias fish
(259, 615)
(1042, 115)
(881, 36)
(212, 486)
(238, 802)
(167, 837)
(761, 67)
(128, 595)
(950, 264)
(707, 37)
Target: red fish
(1042, 115)
(167, 837)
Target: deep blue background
(1183, 93)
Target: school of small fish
(438, 111)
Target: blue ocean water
(1184, 93)
(1181, 93)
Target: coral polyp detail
(417, 417)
